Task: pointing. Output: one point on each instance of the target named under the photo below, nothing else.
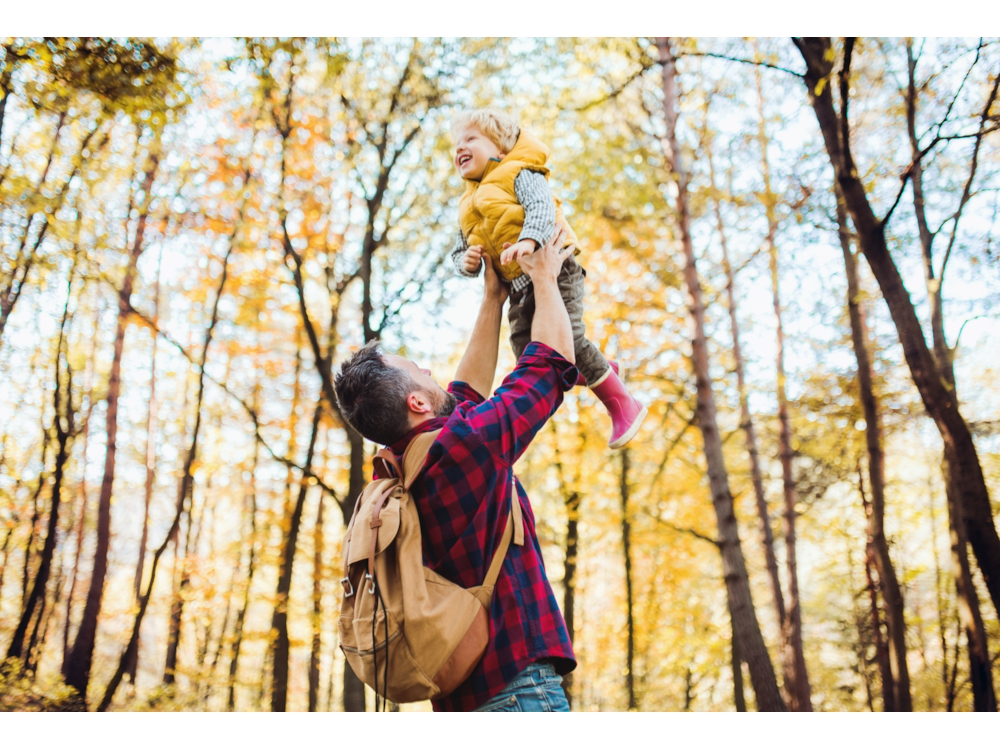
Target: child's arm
(533, 193)
(461, 256)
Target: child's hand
(472, 259)
(516, 251)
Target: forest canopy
(789, 247)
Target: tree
(896, 690)
(968, 496)
(737, 583)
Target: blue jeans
(537, 688)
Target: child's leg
(626, 413)
(589, 360)
(520, 311)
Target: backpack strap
(415, 455)
(413, 462)
(515, 529)
(383, 461)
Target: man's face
(473, 152)
(443, 402)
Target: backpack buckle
(371, 583)
(348, 588)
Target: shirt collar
(434, 423)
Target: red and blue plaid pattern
(463, 496)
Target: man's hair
(372, 395)
(498, 126)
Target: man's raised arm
(550, 324)
(479, 364)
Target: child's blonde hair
(498, 126)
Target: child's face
(473, 151)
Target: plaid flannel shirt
(463, 496)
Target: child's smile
(473, 151)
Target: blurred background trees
(790, 245)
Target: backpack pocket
(369, 658)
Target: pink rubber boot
(580, 380)
(626, 413)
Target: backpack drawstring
(385, 668)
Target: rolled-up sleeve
(509, 420)
(457, 253)
(533, 193)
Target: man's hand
(547, 262)
(517, 251)
(472, 259)
(496, 290)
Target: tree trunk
(241, 616)
(961, 458)
(317, 613)
(77, 667)
(859, 624)
(938, 597)
(180, 582)
(881, 651)
(980, 666)
(762, 676)
(794, 663)
(569, 579)
(279, 621)
(64, 421)
(629, 615)
(151, 427)
(354, 688)
(746, 421)
(43, 479)
(82, 517)
(736, 661)
(892, 595)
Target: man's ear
(418, 402)
(502, 156)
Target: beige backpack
(407, 632)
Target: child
(507, 211)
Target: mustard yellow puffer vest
(489, 213)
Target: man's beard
(447, 405)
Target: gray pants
(589, 359)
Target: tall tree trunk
(571, 500)
(961, 458)
(892, 594)
(980, 666)
(241, 616)
(859, 625)
(354, 688)
(736, 661)
(151, 427)
(746, 419)
(762, 676)
(279, 621)
(77, 668)
(317, 613)
(64, 424)
(82, 516)
(180, 579)
(881, 649)
(629, 615)
(794, 663)
(569, 579)
(43, 479)
(938, 596)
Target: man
(464, 492)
